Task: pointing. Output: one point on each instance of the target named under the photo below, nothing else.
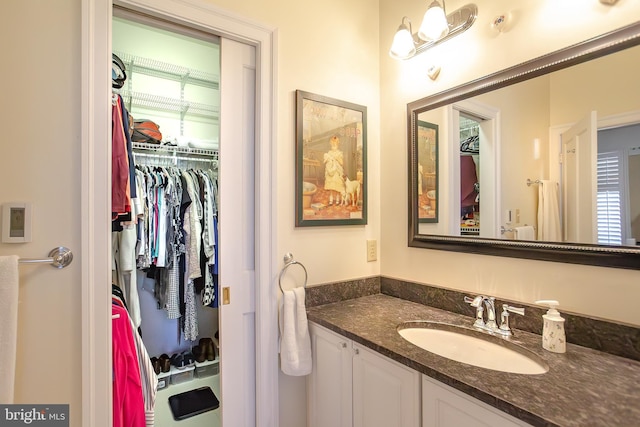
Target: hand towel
(549, 229)
(295, 342)
(526, 232)
(8, 326)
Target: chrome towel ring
(289, 261)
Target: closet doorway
(248, 256)
(169, 90)
(474, 175)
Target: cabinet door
(329, 385)
(385, 393)
(443, 406)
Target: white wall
(595, 291)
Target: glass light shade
(434, 24)
(403, 46)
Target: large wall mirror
(539, 161)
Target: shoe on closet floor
(199, 354)
(207, 347)
(155, 362)
(182, 360)
(165, 363)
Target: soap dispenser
(553, 336)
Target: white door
(385, 393)
(237, 236)
(329, 385)
(579, 181)
(443, 406)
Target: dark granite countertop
(583, 387)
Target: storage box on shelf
(207, 368)
(178, 376)
(164, 379)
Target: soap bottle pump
(553, 335)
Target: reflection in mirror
(427, 144)
(536, 160)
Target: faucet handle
(512, 309)
(474, 302)
(477, 303)
(504, 318)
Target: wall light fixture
(436, 27)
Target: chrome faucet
(490, 305)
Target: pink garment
(468, 177)
(128, 403)
(120, 200)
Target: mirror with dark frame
(538, 161)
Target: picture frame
(331, 161)
(427, 168)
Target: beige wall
(524, 117)
(595, 291)
(40, 164)
(616, 92)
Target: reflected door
(579, 151)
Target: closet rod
(172, 157)
(59, 257)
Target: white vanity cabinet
(444, 406)
(352, 385)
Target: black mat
(193, 402)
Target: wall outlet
(372, 250)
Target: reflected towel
(549, 229)
(295, 344)
(8, 325)
(526, 232)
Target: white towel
(526, 232)
(8, 326)
(549, 229)
(295, 343)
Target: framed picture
(427, 171)
(331, 161)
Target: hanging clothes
(128, 401)
(120, 191)
(177, 239)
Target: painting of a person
(334, 171)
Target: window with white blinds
(609, 200)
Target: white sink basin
(472, 347)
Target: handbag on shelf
(146, 131)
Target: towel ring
(289, 261)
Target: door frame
(95, 190)
(490, 158)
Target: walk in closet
(469, 175)
(165, 240)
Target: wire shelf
(156, 102)
(152, 67)
(171, 150)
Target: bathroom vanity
(366, 374)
